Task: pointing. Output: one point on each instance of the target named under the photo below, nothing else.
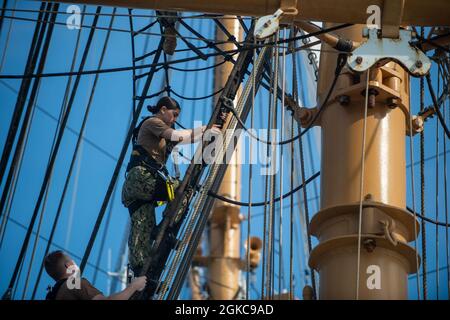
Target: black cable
(436, 106)
(231, 37)
(422, 189)
(340, 65)
(432, 42)
(310, 179)
(99, 28)
(33, 54)
(446, 214)
(271, 238)
(291, 180)
(199, 53)
(105, 234)
(153, 94)
(439, 223)
(73, 160)
(266, 192)
(236, 77)
(151, 24)
(144, 56)
(5, 4)
(209, 43)
(196, 98)
(166, 68)
(20, 147)
(133, 57)
(51, 163)
(70, 129)
(120, 161)
(110, 70)
(200, 37)
(242, 22)
(227, 54)
(258, 204)
(57, 246)
(436, 214)
(196, 16)
(198, 69)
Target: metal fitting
(170, 41)
(417, 124)
(392, 103)
(372, 100)
(359, 60)
(344, 100)
(369, 245)
(368, 197)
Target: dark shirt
(86, 292)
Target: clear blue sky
(104, 135)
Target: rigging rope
(30, 65)
(133, 57)
(411, 153)
(76, 150)
(8, 34)
(227, 53)
(169, 89)
(302, 170)
(53, 156)
(361, 183)
(447, 251)
(291, 202)
(266, 186)
(283, 116)
(422, 189)
(341, 63)
(436, 106)
(273, 164)
(250, 176)
(437, 194)
(119, 161)
(199, 69)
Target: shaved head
(56, 263)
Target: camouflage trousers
(139, 185)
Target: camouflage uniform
(140, 185)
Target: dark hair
(167, 102)
(54, 264)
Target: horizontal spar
(415, 12)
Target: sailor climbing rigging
(148, 182)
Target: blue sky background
(104, 135)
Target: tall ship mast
(328, 180)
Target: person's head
(57, 263)
(167, 109)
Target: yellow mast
(384, 265)
(225, 224)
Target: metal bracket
(268, 25)
(378, 52)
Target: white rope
(280, 235)
(361, 185)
